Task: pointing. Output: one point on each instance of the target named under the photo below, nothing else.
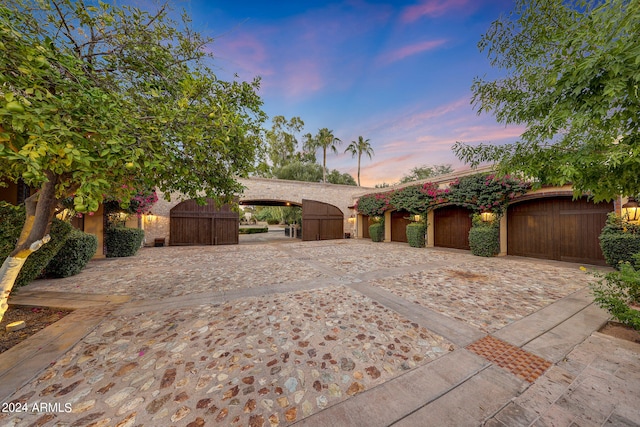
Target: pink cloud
(430, 8)
(409, 50)
(302, 77)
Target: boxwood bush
(619, 241)
(415, 234)
(122, 241)
(74, 255)
(10, 227)
(253, 230)
(376, 232)
(484, 237)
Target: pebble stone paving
(287, 357)
(484, 294)
(275, 359)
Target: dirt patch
(36, 319)
(466, 275)
(618, 330)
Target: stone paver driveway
(276, 334)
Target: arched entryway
(557, 228)
(194, 224)
(451, 227)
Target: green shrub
(376, 232)
(122, 242)
(619, 240)
(10, 227)
(253, 230)
(619, 248)
(617, 290)
(415, 234)
(484, 237)
(74, 255)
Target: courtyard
(343, 332)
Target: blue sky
(398, 73)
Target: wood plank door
(194, 224)
(557, 228)
(451, 227)
(321, 221)
(399, 222)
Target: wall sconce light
(416, 218)
(631, 210)
(487, 216)
(352, 219)
(149, 218)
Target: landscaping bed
(36, 319)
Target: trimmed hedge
(74, 255)
(376, 232)
(415, 234)
(619, 247)
(122, 241)
(484, 240)
(253, 230)
(10, 227)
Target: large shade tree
(94, 95)
(571, 76)
(423, 172)
(282, 140)
(358, 148)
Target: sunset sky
(398, 73)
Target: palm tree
(327, 141)
(360, 147)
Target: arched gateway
(176, 225)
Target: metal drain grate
(514, 359)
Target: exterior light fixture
(487, 216)
(352, 219)
(417, 218)
(631, 210)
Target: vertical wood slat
(321, 221)
(399, 224)
(193, 224)
(557, 228)
(451, 227)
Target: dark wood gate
(451, 227)
(557, 228)
(399, 222)
(193, 224)
(366, 222)
(321, 221)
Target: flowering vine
(480, 193)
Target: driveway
(345, 332)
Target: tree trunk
(40, 209)
(359, 156)
(324, 165)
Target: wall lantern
(487, 216)
(352, 219)
(631, 210)
(417, 218)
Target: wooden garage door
(451, 227)
(399, 222)
(192, 224)
(366, 222)
(321, 221)
(557, 228)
